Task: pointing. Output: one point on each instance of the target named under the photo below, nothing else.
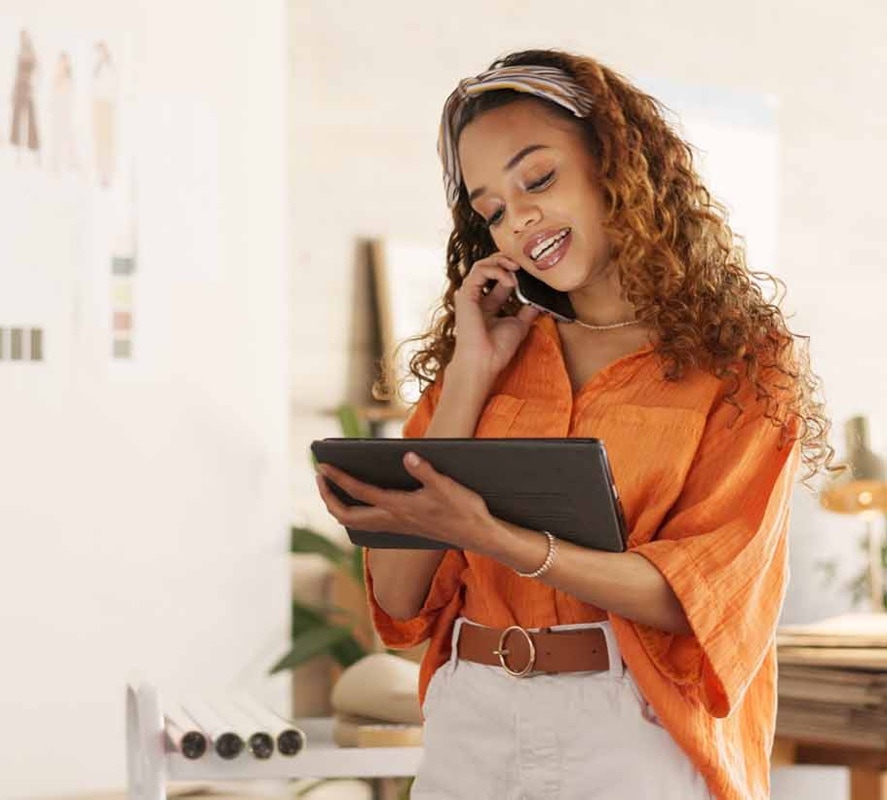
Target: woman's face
(530, 175)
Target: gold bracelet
(549, 559)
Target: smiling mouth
(550, 251)
(549, 245)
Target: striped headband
(549, 83)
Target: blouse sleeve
(723, 550)
(444, 595)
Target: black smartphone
(533, 292)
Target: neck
(600, 302)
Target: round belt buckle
(501, 651)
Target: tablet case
(560, 485)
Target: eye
(544, 181)
(495, 219)
(535, 186)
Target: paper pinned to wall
(65, 137)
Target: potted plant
(329, 629)
(318, 630)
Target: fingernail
(412, 460)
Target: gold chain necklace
(611, 327)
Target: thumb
(527, 314)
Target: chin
(563, 277)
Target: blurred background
(184, 187)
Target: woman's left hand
(439, 509)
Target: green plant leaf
(308, 613)
(305, 540)
(356, 565)
(353, 619)
(351, 424)
(305, 617)
(311, 643)
(348, 651)
(828, 570)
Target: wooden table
(833, 699)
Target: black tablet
(560, 485)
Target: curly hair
(677, 259)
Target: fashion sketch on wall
(62, 140)
(104, 101)
(66, 142)
(25, 133)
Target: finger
(423, 472)
(364, 518)
(527, 314)
(365, 492)
(333, 504)
(499, 259)
(391, 500)
(472, 288)
(495, 298)
(481, 274)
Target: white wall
(368, 85)
(144, 508)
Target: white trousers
(570, 736)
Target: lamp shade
(862, 486)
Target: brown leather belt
(520, 651)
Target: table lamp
(861, 489)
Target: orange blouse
(706, 500)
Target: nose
(524, 216)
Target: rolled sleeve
(723, 551)
(443, 601)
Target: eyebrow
(512, 163)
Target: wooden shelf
(375, 413)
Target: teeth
(540, 249)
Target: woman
(104, 125)
(654, 669)
(24, 112)
(64, 149)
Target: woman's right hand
(485, 341)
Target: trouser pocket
(646, 709)
(435, 687)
